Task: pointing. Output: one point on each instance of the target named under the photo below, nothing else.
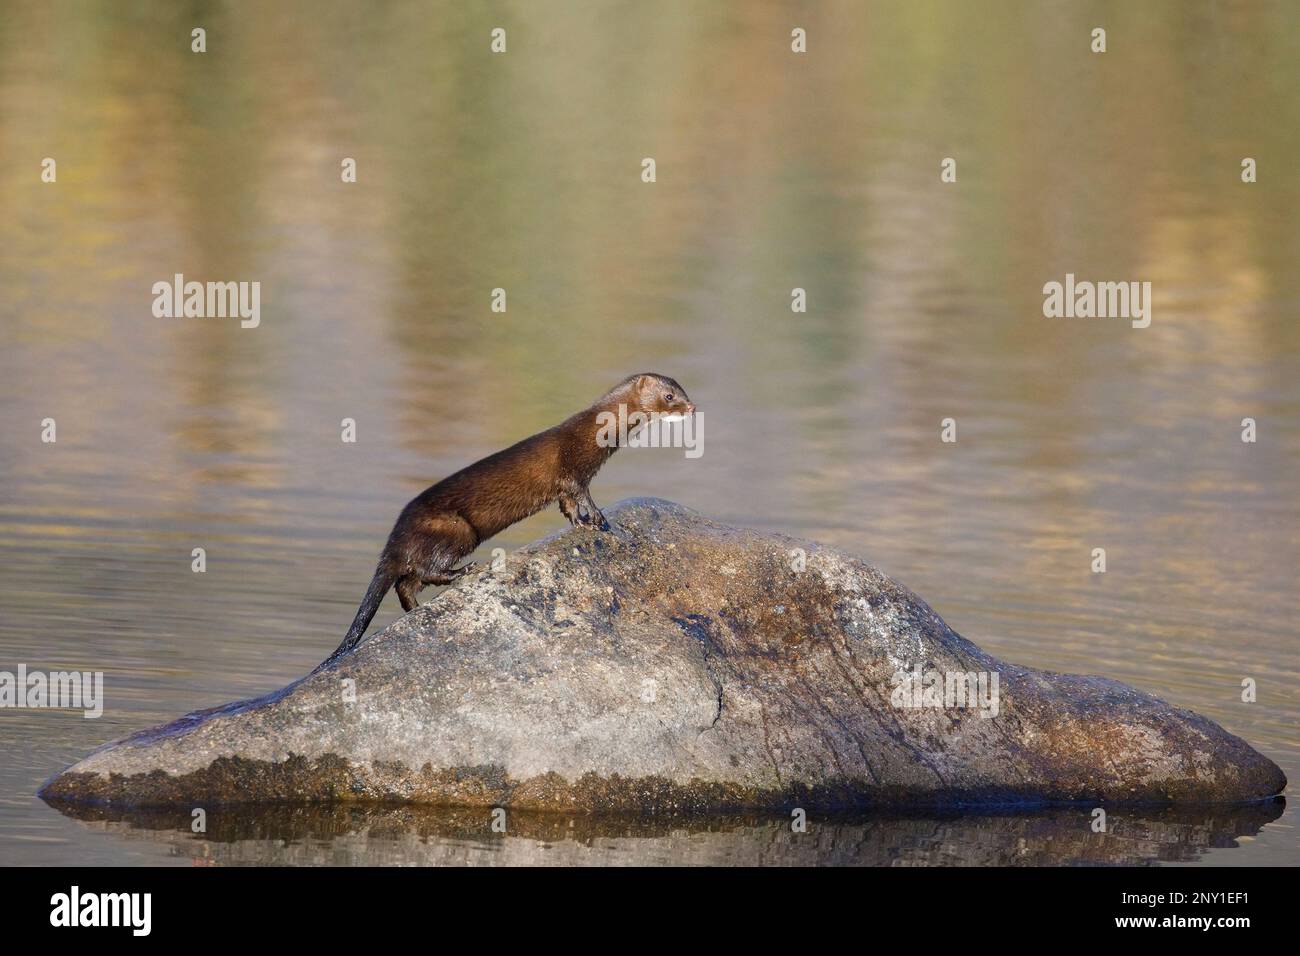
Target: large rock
(674, 663)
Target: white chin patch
(672, 418)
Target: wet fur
(447, 521)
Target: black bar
(337, 905)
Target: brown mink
(449, 520)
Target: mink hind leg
(408, 588)
(446, 577)
(440, 540)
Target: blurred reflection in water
(522, 172)
(408, 835)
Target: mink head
(650, 393)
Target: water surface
(775, 171)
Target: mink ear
(641, 381)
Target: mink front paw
(592, 518)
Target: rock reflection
(442, 836)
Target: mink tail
(379, 585)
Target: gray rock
(674, 664)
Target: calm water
(775, 171)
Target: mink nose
(690, 408)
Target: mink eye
(668, 397)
